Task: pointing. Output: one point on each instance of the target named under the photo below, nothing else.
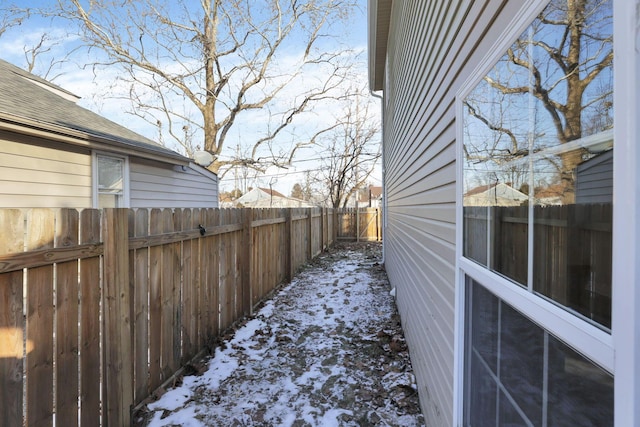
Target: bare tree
(44, 55)
(564, 63)
(12, 16)
(40, 58)
(297, 192)
(203, 66)
(351, 150)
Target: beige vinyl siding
(594, 180)
(157, 185)
(433, 48)
(42, 175)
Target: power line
(288, 173)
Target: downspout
(384, 186)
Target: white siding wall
(42, 176)
(433, 48)
(159, 186)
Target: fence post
(11, 321)
(309, 233)
(322, 230)
(357, 222)
(118, 370)
(288, 236)
(247, 251)
(326, 227)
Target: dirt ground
(325, 350)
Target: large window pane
(484, 339)
(538, 159)
(508, 414)
(570, 375)
(481, 389)
(522, 362)
(573, 158)
(482, 405)
(540, 380)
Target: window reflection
(538, 159)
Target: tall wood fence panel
(299, 236)
(99, 308)
(49, 281)
(360, 224)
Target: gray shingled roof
(22, 96)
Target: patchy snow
(326, 350)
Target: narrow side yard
(325, 350)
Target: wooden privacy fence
(100, 308)
(360, 224)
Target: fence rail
(98, 309)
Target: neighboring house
(367, 197)
(594, 179)
(530, 318)
(370, 196)
(500, 194)
(54, 153)
(265, 198)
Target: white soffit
(379, 20)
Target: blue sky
(73, 75)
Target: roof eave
(75, 137)
(379, 22)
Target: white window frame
(125, 177)
(614, 351)
(626, 211)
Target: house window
(110, 182)
(538, 169)
(535, 260)
(519, 374)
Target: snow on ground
(326, 350)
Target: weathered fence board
(167, 291)
(141, 308)
(155, 302)
(187, 319)
(90, 291)
(238, 252)
(211, 285)
(118, 368)
(66, 325)
(224, 290)
(40, 321)
(11, 323)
